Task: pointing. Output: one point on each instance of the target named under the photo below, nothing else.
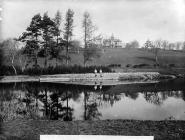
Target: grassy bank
(35, 71)
(31, 129)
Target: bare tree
(88, 29)
(11, 47)
(157, 45)
(58, 43)
(171, 46)
(165, 44)
(68, 32)
(23, 59)
(183, 46)
(178, 45)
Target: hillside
(125, 56)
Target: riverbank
(91, 78)
(31, 129)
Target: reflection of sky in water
(139, 109)
(114, 102)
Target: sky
(126, 19)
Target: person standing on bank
(95, 72)
(101, 73)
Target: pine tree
(68, 32)
(47, 27)
(31, 38)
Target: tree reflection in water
(7, 103)
(158, 98)
(56, 104)
(90, 107)
(153, 97)
(1, 129)
(183, 95)
(53, 101)
(67, 112)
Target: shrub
(128, 65)
(8, 70)
(114, 65)
(171, 65)
(141, 65)
(156, 65)
(65, 70)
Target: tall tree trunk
(156, 59)
(85, 62)
(58, 50)
(57, 107)
(46, 52)
(36, 53)
(67, 51)
(56, 62)
(15, 71)
(85, 43)
(46, 103)
(85, 105)
(23, 64)
(67, 103)
(36, 62)
(37, 105)
(45, 62)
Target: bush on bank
(8, 70)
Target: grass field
(138, 56)
(125, 56)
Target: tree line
(46, 38)
(52, 39)
(164, 44)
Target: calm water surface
(164, 100)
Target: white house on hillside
(112, 42)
